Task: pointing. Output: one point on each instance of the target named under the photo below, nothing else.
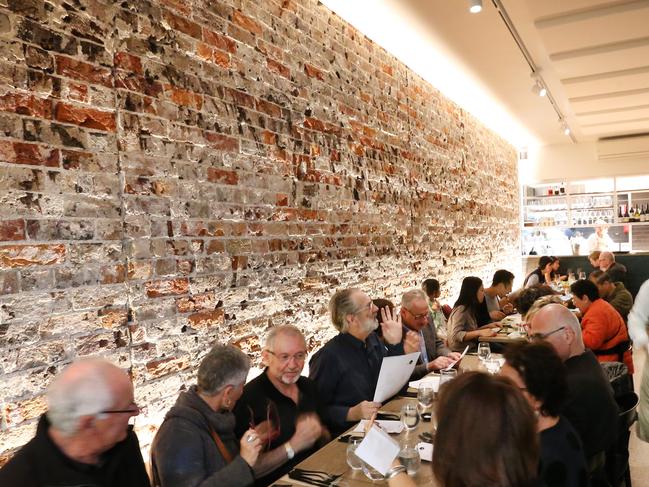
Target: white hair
(74, 395)
(289, 330)
(412, 295)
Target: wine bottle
(619, 214)
(626, 214)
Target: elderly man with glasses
(282, 406)
(346, 368)
(84, 438)
(416, 317)
(589, 405)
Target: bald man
(84, 437)
(589, 405)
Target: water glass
(484, 351)
(425, 395)
(409, 458)
(582, 275)
(446, 375)
(371, 473)
(410, 416)
(492, 365)
(352, 460)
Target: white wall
(575, 161)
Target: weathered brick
(28, 255)
(31, 154)
(12, 230)
(85, 117)
(222, 176)
(17, 412)
(222, 142)
(171, 287)
(183, 25)
(239, 18)
(128, 62)
(83, 71)
(26, 104)
(219, 41)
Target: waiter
(599, 240)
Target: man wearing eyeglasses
(589, 406)
(281, 406)
(84, 437)
(346, 369)
(416, 316)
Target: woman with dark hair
(538, 371)
(496, 448)
(538, 275)
(438, 312)
(462, 325)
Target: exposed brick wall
(176, 172)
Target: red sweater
(603, 328)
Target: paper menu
(395, 372)
(432, 380)
(425, 451)
(378, 450)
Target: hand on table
(454, 355)
(440, 363)
(391, 326)
(363, 410)
(497, 315)
(486, 332)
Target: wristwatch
(290, 453)
(394, 471)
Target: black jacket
(183, 452)
(40, 463)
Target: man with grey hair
(589, 404)
(416, 317)
(196, 444)
(346, 368)
(282, 405)
(84, 438)
(614, 269)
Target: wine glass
(425, 395)
(484, 351)
(410, 416)
(352, 459)
(492, 365)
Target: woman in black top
(538, 275)
(539, 372)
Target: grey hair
(224, 365)
(538, 304)
(607, 255)
(74, 395)
(412, 295)
(342, 304)
(281, 330)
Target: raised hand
(307, 431)
(391, 325)
(250, 446)
(411, 342)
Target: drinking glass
(425, 395)
(352, 460)
(410, 416)
(371, 473)
(409, 458)
(484, 351)
(492, 365)
(446, 375)
(582, 274)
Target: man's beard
(371, 324)
(290, 381)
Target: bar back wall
(175, 173)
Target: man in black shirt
(346, 368)
(84, 438)
(590, 405)
(282, 406)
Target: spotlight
(475, 6)
(539, 89)
(565, 128)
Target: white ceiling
(593, 55)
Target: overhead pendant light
(475, 6)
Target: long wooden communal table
(332, 458)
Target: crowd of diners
(549, 417)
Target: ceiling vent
(629, 146)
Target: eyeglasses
(542, 336)
(134, 409)
(419, 316)
(365, 307)
(285, 357)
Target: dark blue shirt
(346, 371)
